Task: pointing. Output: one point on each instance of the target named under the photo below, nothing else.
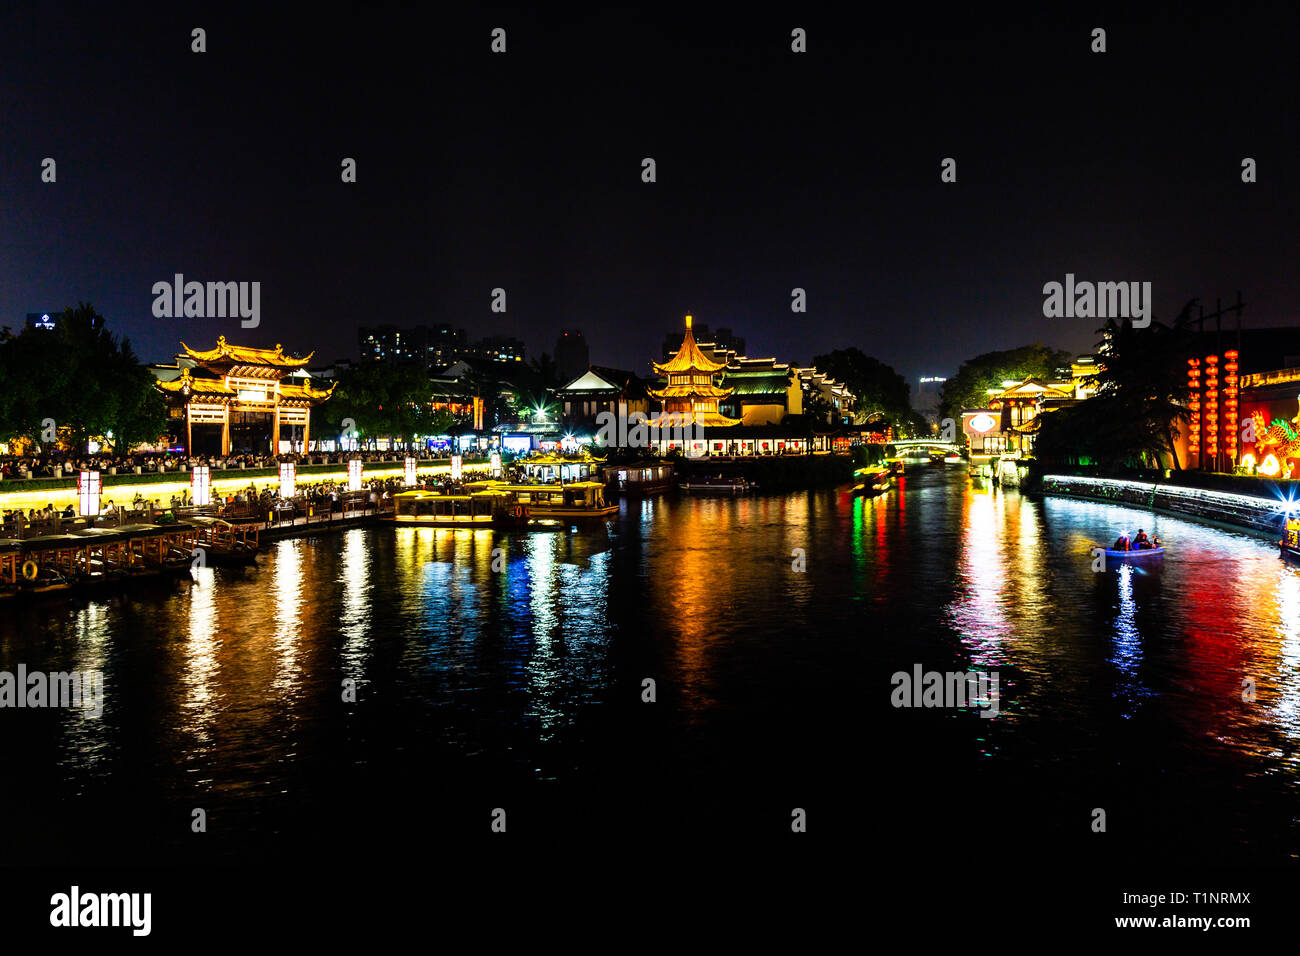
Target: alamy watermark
(82, 690)
(946, 689)
(213, 300)
(75, 908)
(1098, 300)
(638, 430)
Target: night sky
(523, 170)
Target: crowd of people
(322, 496)
(1139, 542)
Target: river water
(507, 670)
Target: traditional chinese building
(236, 399)
(691, 396)
(1009, 422)
(763, 391)
(601, 390)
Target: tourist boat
(640, 477)
(43, 580)
(1138, 553)
(871, 481)
(10, 559)
(488, 508)
(222, 542)
(953, 459)
(555, 467)
(1289, 546)
(718, 484)
(894, 466)
(109, 555)
(555, 502)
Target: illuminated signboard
(456, 461)
(410, 471)
(288, 479)
(496, 464)
(201, 485)
(982, 422)
(88, 488)
(354, 474)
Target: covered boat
(569, 501)
(486, 508)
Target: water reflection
(520, 648)
(1127, 656)
(985, 590)
(199, 678)
(354, 581)
(289, 590)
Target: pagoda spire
(690, 395)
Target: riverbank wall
(1262, 514)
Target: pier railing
(278, 513)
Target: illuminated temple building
(691, 396)
(236, 399)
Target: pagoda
(690, 395)
(249, 393)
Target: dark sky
(522, 170)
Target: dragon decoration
(1277, 447)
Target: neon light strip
(1221, 497)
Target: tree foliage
(89, 382)
(1141, 399)
(969, 388)
(383, 400)
(882, 394)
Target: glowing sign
(354, 474)
(456, 461)
(201, 485)
(88, 488)
(495, 461)
(982, 423)
(410, 471)
(288, 479)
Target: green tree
(138, 412)
(1141, 399)
(35, 383)
(881, 392)
(86, 380)
(970, 387)
(383, 401)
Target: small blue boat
(1139, 553)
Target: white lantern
(288, 479)
(88, 489)
(201, 485)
